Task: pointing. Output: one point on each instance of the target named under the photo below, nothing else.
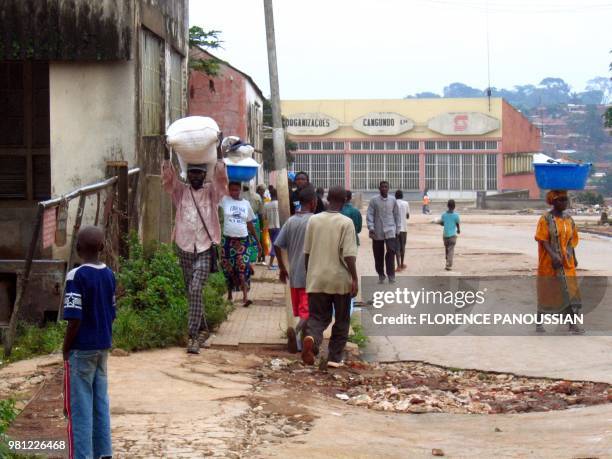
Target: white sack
(194, 139)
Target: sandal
(247, 304)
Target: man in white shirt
(404, 210)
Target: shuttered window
(151, 54)
(176, 86)
(24, 131)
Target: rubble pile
(414, 387)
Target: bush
(152, 307)
(8, 413)
(32, 340)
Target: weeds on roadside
(358, 337)
(32, 340)
(8, 413)
(152, 306)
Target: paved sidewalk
(264, 322)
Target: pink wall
(222, 97)
(519, 136)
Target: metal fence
(115, 206)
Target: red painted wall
(222, 97)
(519, 136)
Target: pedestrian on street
(351, 212)
(263, 193)
(557, 239)
(256, 202)
(384, 225)
(426, 210)
(291, 238)
(301, 181)
(321, 196)
(331, 278)
(196, 232)
(450, 221)
(272, 220)
(89, 308)
(238, 219)
(404, 210)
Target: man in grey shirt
(291, 238)
(384, 223)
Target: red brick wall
(519, 136)
(222, 97)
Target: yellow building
(450, 147)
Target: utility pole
(278, 140)
(278, 134)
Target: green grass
(358, 337)
(32, 340)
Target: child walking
(291, 238)
(89, 308)
(450, 221)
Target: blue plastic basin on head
(241, 173)
(564, 176)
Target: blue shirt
(90, 297)
(450, 221)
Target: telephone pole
(278, 134)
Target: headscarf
(555, 194)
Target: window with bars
(390, 146)
(491, 144)
(355, 145)
(461, 171)
(176, 86)
(518, 163)
(338, 145)
(304, 145)
(430, 145)
(400, 170)
(467, 145)
(480, 145)
(315, 145)
(327, 145)
(379, 145)
(324, 170)
(442, 145)
(454, 145)
(25, 167)
(151, 53)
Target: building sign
(463, 123)
(310, 124)
(383, 123)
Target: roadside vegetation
(151, 307)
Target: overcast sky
(334, 49)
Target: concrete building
(83, 82)
(450, 147)
(231, 98)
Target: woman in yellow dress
(557, 239)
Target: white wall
(93, 120)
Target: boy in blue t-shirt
(89, 308)
(450, 221)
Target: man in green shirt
(352, 213)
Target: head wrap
(555, 194)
